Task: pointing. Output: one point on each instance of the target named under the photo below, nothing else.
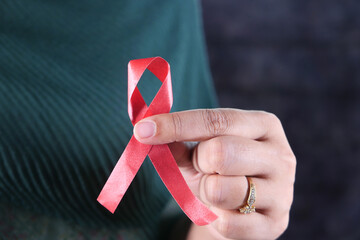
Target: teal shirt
(63, 109)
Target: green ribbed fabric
(63, 104)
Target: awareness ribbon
(160, 155)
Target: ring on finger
(249, 206)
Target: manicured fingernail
(145, 129)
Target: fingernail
(145, 129)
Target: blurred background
(300, 60)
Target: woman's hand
(233, 144)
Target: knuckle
(283, 207)
(217, 122)
(288, 155)
(178, 126)
(223, 226)
(281, 204)
(288, 161)
(291, 160)
(280, 226)
(289, 201)
(270, 119)
(213, 190)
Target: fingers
(234, 225)
(233, 144)
(228, 192)
(231, 193)
(231, 155)
(196, 125)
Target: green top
(63, 110)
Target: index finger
(203, 124)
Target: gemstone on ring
(247, 209)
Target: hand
(232, 144)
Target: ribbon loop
(160, 155)
(162, 101)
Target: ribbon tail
(168, 170)
(123, 174)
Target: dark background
(300, 60)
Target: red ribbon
(160, 155)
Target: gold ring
(249, 206)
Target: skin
(232, 144)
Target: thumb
(162, 129)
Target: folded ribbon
(160, 155)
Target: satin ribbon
(160, 155)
